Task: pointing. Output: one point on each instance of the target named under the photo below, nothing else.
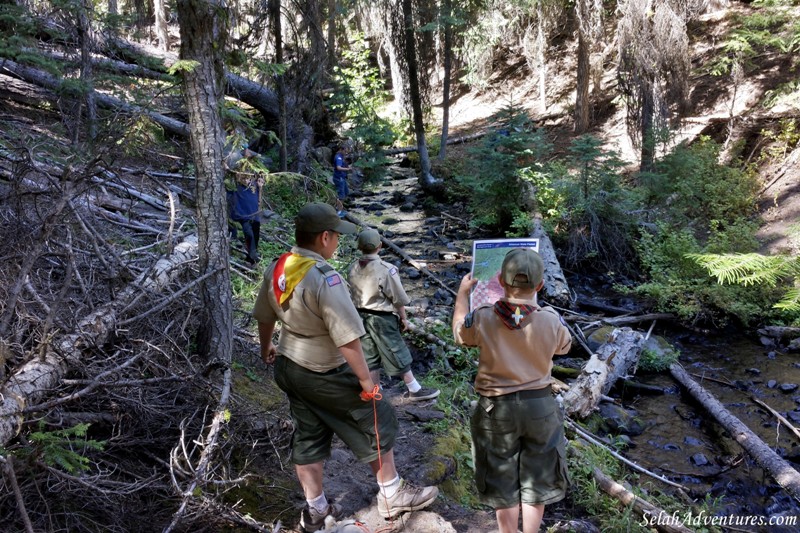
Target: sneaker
(424, 393)
(407, 498)
(312, 520)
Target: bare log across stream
(786, 476)
(555, 284)
(613, 361)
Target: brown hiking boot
(407, 498)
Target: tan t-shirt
(317, 318)
(512, 360)
(376, 285)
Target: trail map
(487, 260)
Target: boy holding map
(517, 428)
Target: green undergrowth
(453, 374)
(607, 512)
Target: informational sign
(487, 260)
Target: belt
(522, 395)
(374, 312)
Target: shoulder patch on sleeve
(333, 279)
(393, 271)
(469, 320)
(325, 268)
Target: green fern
(64, 447)
(752, 269)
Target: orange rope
(375, 396)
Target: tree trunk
(162, 31)
(613, 361)
(541, 43)
(648, 136)
(331, 34)
(426, 180)
(661, 520)
(448, 65)
(33, 380)
(87, 76)
(556, 289)
(784, 473)
(582, 86)
(276, 25)
(203, 35)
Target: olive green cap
(522, 267)
(318, 217)
(369, 240)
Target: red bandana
(513, 315)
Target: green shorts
(328, 403)
(518, 449)
(383, 344)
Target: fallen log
(456, 140)
(43, 79)
(651, 515)
(556, 289)
(635, 319)
(257, 95)
(31, 382)
(786, 476)
(612, 361)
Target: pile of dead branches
(104, 405)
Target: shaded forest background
(635, 132)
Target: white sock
(413, 386)
(390, 488)
(319, 504)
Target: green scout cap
(522, 267)
(369, 240)
(318, 217)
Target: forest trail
(392, 207)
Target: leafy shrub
(677, 284)
(702, 207)
(689, 186)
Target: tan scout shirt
(513, 360)
(317, 318)
(376, 285)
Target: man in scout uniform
(379, 296)
(320, 366)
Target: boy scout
(517, 428)
(320, 366)
(380, 299)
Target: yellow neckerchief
(289, 272)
